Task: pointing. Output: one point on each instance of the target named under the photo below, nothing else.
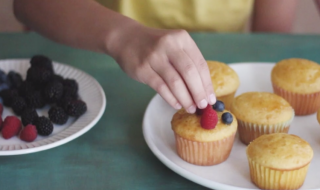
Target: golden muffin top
(262, 108)
(224, 79)
(188, 126)
(280, 151)
(300, 76)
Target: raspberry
(29, 133)
(26, 88)
(209, 118)
(7, 96)
(44, 126)
(35, 100)
(76, 108)
(57, 115)
(227, 118)
(18, 105)
(41, 61)
(53, 92)
(11, 127)
(14, 79)
(29, 116)
(70, 87)
(218, 106)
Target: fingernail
(178, 106)
(191, 109)
(203, 104)
(212, 99)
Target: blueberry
(227, 118)
(218, 106)
(3, 77)
(4, 86)
(14, 79)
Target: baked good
(261, 113)
(225, 81)
(279, 161)
(198, 145)
(298, 81)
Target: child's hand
(168, 61)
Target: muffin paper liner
(269, 178)
(204, 153)
(250, 131)
(227, 100)
(303, 104)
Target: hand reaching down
(168, 61)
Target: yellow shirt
(192, 15)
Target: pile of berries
(209, 116)
(41, 87)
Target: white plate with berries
(45, 104)
(234, 172)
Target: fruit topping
(29, 116)
(209, 118)
(218, 106)
(44, 126)
(29, 133)
(227, 118)
(57, 115)
(10, 127)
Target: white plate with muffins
(277, 160)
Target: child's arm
(273, 15)
(167, 60)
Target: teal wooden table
(113, 154)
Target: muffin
(261, 113)
(279, 161)
(201, 146)
(298, 81)
(225, 81)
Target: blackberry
(26, 88)
(41, 61)
(70, 87)
(29, 116)
(14, 79)
(218, 106)
(57, 115)
(53, 92)
(44, 126)
(76, 108)
(18, 105)
(58, 78)
(64, 102)
(227, 118)
(7, 96)
(39, 75)
(35, 100)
